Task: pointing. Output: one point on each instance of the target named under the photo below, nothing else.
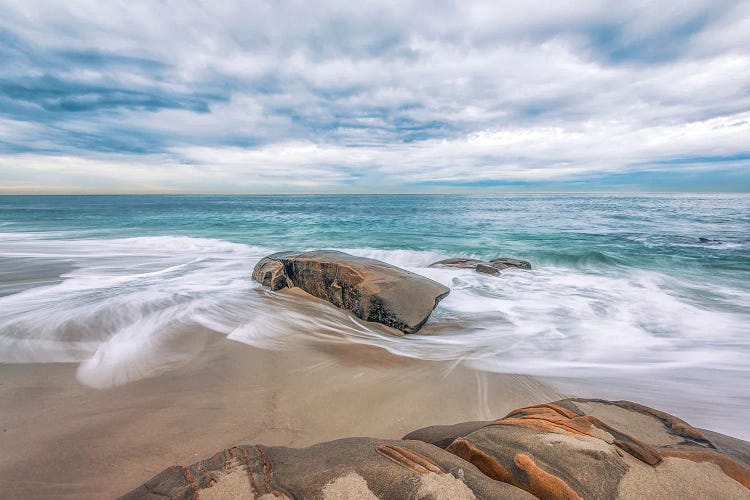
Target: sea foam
(125, 308)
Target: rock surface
(372, 290)
(344, 469)
(487, 269)
(568, 449)
(492, 267)
(578, 448)
(504, 262)
(458, 263)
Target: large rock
(570, 449)
(579, 448)
(354, 468)
(372, 290)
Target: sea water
(625, 300)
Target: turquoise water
(624, 299)
(656, 232)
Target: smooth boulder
(372, 290)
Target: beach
(65, 440)
(133, 337)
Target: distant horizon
(254, 98)
(392, 193)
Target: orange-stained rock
(346, 468)
(570, 449)
(586, 448)
(544, 485)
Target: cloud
(261, 96)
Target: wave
(583, 260)
(125, 309)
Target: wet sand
(61, 439)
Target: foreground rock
(569, 449)
(372, 290)
(579, 448)
(492, 267)
(354, 468)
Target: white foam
(120, 302)
(125, 301)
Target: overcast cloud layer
(188, 96)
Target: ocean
(642, 297)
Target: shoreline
(68, 440)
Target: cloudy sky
(212, 96)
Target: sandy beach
(64, 440)
(303, 373)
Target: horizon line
(333, 193)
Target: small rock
(503, 262)
(487, 269)
(458, 263)
(492, 267)
(707, 241)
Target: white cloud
(330, 98)
(512, 154)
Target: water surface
(624, 301)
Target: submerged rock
(568, 449)
(372, 290)
(708, 241)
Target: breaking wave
(119, 305)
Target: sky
(286, 97)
